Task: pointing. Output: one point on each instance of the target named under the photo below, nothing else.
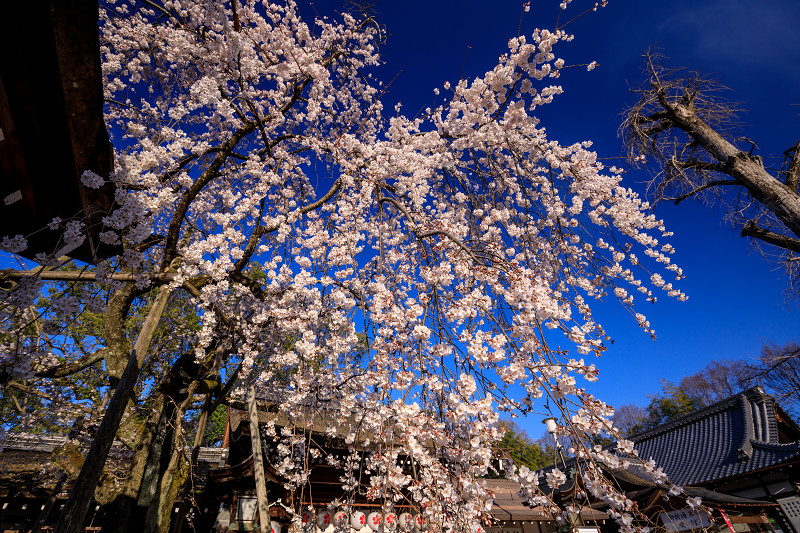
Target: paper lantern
(275, 527)
(390, 522)
(374, 521)
(358, 520)
(324, 520)
(307, 520)
(340, 518)
(406, 522)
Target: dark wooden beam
(51, 116)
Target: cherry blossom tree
(412, 278)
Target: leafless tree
(629, 418)
(778, 368)
(682, 122)
(718, 380)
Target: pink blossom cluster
(403, 279)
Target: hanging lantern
(358, 520)
(324, 520)
(419, 524)
(340, 519)
(406, 522)
(390, 522)
(307, 520)
(374, 521)
(274, 527)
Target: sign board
(684, 520)
(246, 509)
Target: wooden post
(71, 520)
(258, 463)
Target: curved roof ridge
(745, 449)
(722, 405)
(775, 445)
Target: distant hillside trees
(776, 369)
(518, 446)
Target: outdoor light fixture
(550, 423)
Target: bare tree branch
(74, 367)
(789, 243)
(715, 183)
(680, 121)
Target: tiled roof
(32, 442)
(508, 505)
(31, 465)
(728, 438)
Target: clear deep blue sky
(736, 297)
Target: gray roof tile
(731, 437)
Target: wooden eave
(51, 118)
(242, 470)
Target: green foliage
(669, 404)
(215, 426)
(517, 445)
(41, 404)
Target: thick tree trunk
(151, 474)
(777, 197)
(173, 477)
(198, 441)
(208, 408)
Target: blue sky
(736, 297)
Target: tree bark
(258, 463)
(208, 407)
(783, 241)
(172, 479)
(777, 197)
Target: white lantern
(374, 521)
(406, 522)
(307, 520)
(358, 520)
(390, 522)
(274, 527)
(419, 524)
(340, 519)
(324, 520)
